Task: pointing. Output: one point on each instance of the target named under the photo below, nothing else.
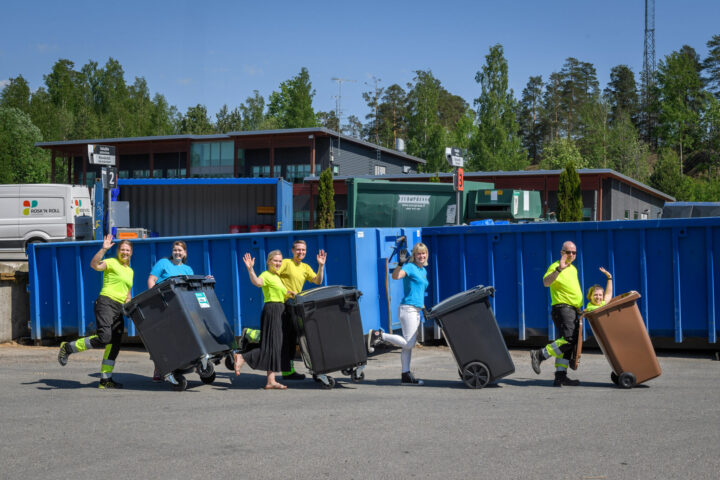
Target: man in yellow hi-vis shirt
(567, 298)
(293, 274)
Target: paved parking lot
(55, 422)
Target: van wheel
(33, 240)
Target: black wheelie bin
(183, 327)
(473, 335)
(330, 333)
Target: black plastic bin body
(329, 329)
(180, 321)
(472, 333)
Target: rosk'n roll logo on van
(29, 204)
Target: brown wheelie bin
(620, 331)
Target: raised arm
(608, 286)
(250, 263)
(321, 259)
(97, 262)
(552, 276)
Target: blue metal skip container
(673, 263)
(63, 287)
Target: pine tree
(569, 196)
(326, 201)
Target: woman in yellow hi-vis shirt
(269, 356)
(117, 282)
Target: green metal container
(505, 204)
(382, 203)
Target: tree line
(664, 131)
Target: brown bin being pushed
(620, 331)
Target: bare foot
(275, 386)
(239, 362)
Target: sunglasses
(569, 252)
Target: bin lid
(461, 299)
(619, 301)
(325, 293)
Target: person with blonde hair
(413, 274)
(269, 356)
(597, 296)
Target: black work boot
(561, 379)
(536, 357)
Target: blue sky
(218, 52)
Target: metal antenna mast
(648, 73)
(338, 98)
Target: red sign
(459, 182)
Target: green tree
(292, 105)
(196, 121)
(569, 195)
(626, 152)
(668, 177)
(593, 145)
(329, 120)
(561, 152)
(529, 117)
(372, 100)
(16, 94)
(353, 127)
(551, 108)
(681, 102)
(20, 160)
(578, 87)
(326, 201)
(711, 65)
(426, 136)
(621, 94)
(228, 121)
(496, 145)
(391, 122)
(253, 112)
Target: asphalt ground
(56, 422)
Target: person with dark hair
(269, 356)
(172, 266)
(567, 299)
(116, 287)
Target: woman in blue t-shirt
(414, 277)
(171, 267)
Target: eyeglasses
(570, 252)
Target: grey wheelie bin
(183, 327)
(620, 331)
(473, 335)
(329, 329)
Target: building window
(124, 174)
(379, 169)
(212, 159)
(261, 171)
(301, 220)
(141, 173)
(339, 218)
(157, 173)
(336, 170)
(635, 215)
(627, 214)
(175, 173)
(296, 173)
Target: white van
(40, 213)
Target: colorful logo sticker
(28, 204)
(202, 300)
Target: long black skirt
(269, 356)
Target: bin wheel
(182, 383)
(208, 375)
(330, 385)
(357, 377)
(230, 362)
(614, 377)
(346, 371)
(626, 380)
(208, 380)
(476, 375)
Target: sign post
(455, 159)
(105, 155)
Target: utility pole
(338, 114)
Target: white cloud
(4, 83)
(252, 70)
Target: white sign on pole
(101, 155)
(454, 156)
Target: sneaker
(374, 337)
(156, 376)
(63, 354)
(408, 378)
(561, 379)
(293, 376)
(536, 357)
(108, 383)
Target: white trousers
(409, 317)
